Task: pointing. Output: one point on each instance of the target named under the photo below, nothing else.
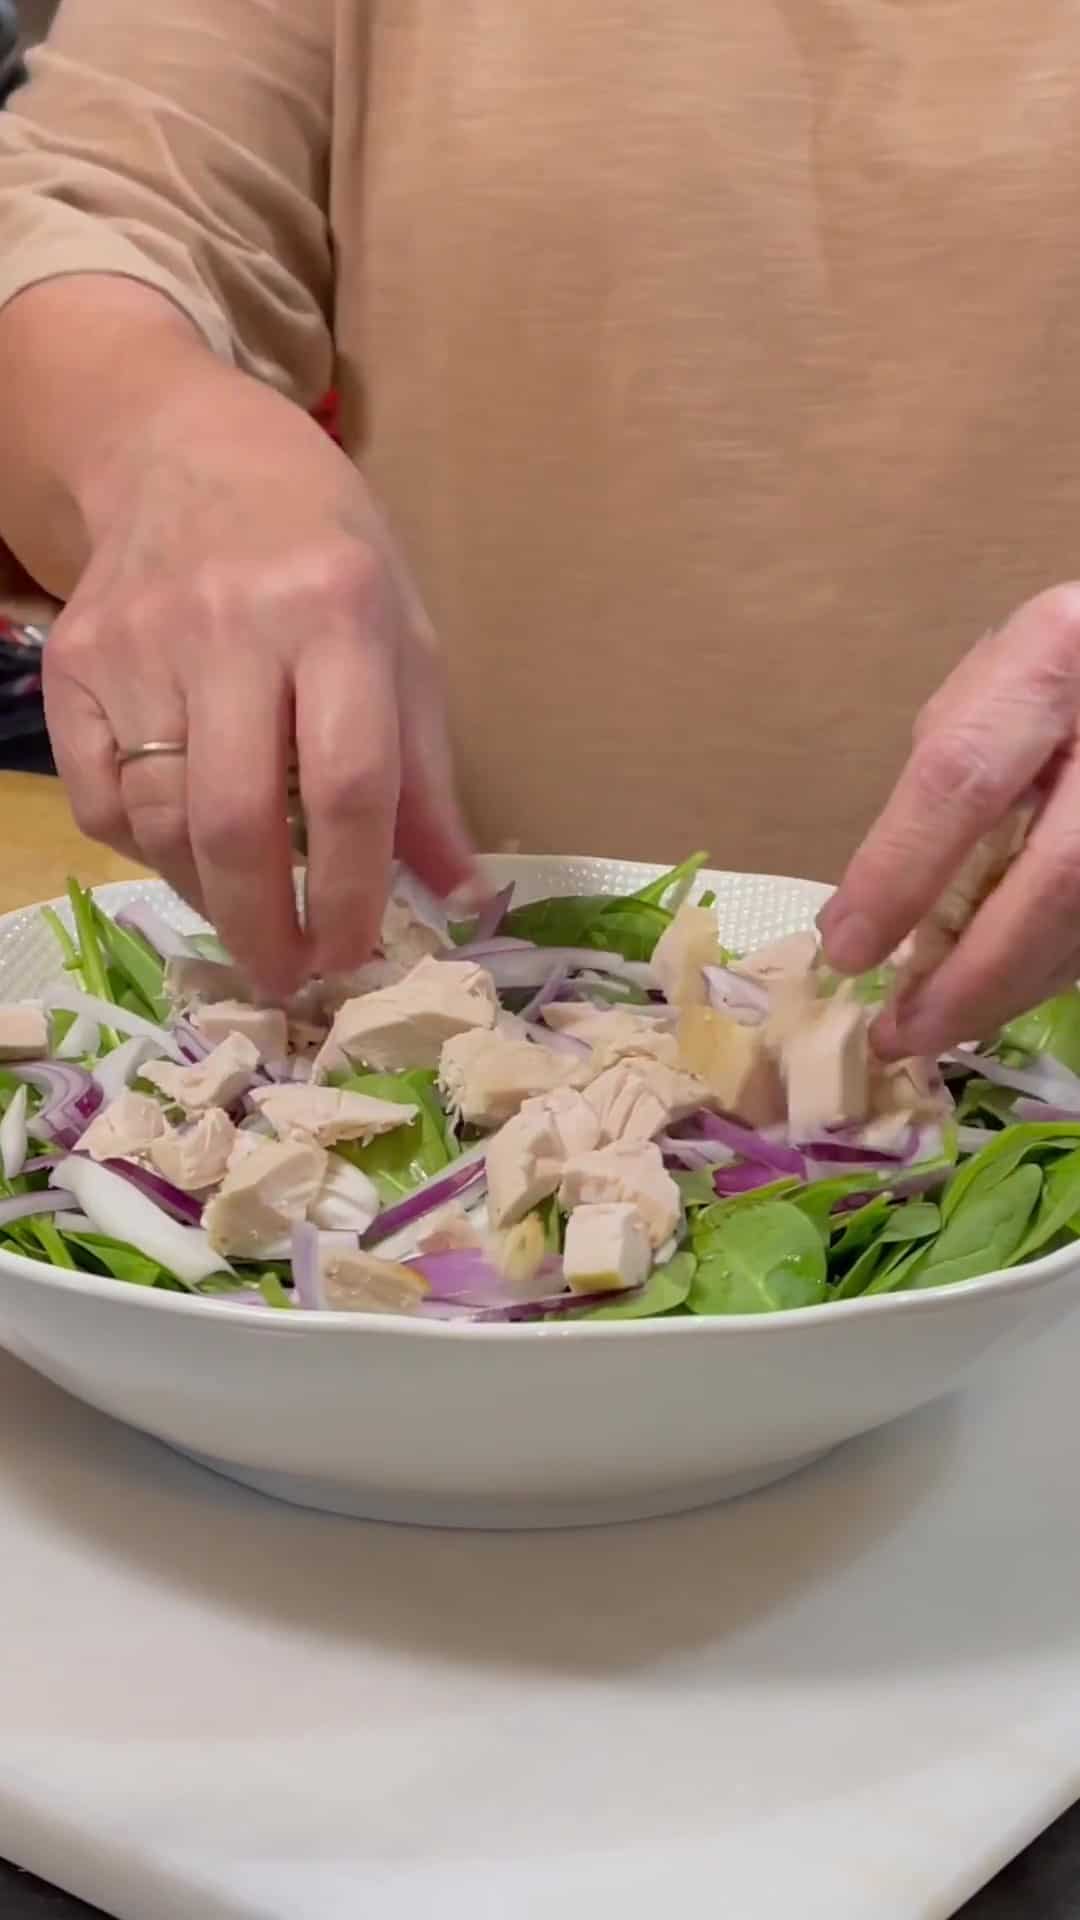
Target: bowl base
(497, 1513)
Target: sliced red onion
(13, 1134)
(1041, 1111)
(751, 1144)
(69, 1000)
(306, 1269)
(841, 1153)
(550, 990)
(41, 1163)
(1043, 1079)
(480, 951)
(558, 1041)
(120, 1210)
(468, 1276)
(235, 1297)
(82, 1037)
(25, 1204)
(193, 1045)
(745, 1178)
(181, 1206)
(698, 1155)
(554, 1306)
(524, 968)
(492, 915)
(70, 1098)
(730, 992)
(73, 1223)
(117, 1070)
(142, 919)
(467, 1176)
(411, 892)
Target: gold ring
(151, 750)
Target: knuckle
(1061, 863)
(231, 836)
(350, 793)
(952, 764)
(349, 574)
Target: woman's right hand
(243, 597)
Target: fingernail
(848, 939)
(470, 897)
(905, 1029)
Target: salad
(579, 1108)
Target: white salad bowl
(524, 1425)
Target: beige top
(717, 363)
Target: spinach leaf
(982, 1234)
(399, 1161)
(139, 969)
(1052, 1028)
(666, 1288)
(1002, 1155)
(1058, 1204)
(762, 1259)
(677, 883)
(603, 921)
(120, 1261)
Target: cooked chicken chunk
(217, 1081)
(606, 1249)
(329, 1114)
(408, 1024)
(128, 1126)
(267, 1188)
(196, 1157)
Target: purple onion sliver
(730, 1181)
(180, 1206)
(752, 1145)
(25, 1204)
(142, 919)
(1042, 1110)
(554, 1306)
(307, 1278)
(734, 993)
(462, 1178)
(1044, 1079)
(491, 915)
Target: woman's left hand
(1005, 722)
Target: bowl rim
(1028, 1278)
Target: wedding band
(151, 750)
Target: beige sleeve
(183, 144)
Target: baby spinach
(1002, 1155)
(401, 1160)
(1053, 1028)
(666, 1288)
(1058, 1203)
(981, 1234)
(761, 1259)
(672, 888)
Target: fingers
(432, 837)
(1021, 947)
(350, 776)
(85, 754)
(983, 743)
(238, 749)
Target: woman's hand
(243, 596)
(1007, 722)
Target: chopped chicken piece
(24, 1032)
(197, 1156)
(266, 1027)
(784, 959)
(639, 1098)
(408, 1024)
(214, 1082)
(486, 1075)
(525, 1159)
(339, 988)
(627, 1171)
(405, 938)
(985, 867)
(127, 1126)
(362, 1283)
(190, 981)
(626, 1036)
(826, 1067)
(683, 949)
(328, 1114)
(450, 1231)
(606, 1248)
(910, 1089)
(266, 1188)
(735, 1062)
(519, 1251)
